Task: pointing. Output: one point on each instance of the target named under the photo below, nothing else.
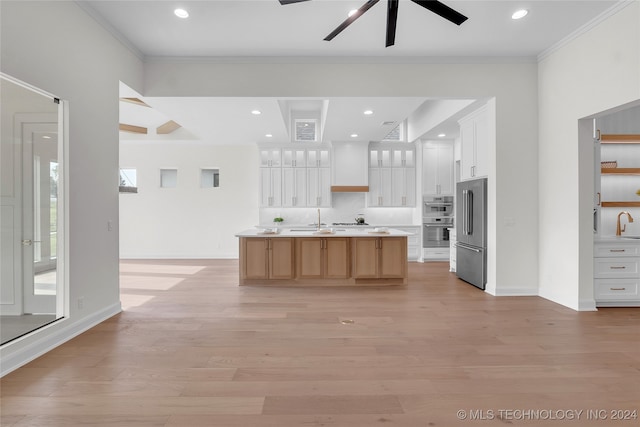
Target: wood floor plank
(126, 406)
(319, 404)
(193, 348)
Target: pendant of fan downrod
(392, 16)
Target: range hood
(350, 167)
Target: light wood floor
(195, 349)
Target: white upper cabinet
(403, 192)
(319, 187)
(380, 157)
(270, 187)
(294, 157)
(295, 177)
(270, 157)
(392, 175)
(402, 157)
(474, 144)
(294, 187)
(318, 157)
(437, 168)
(380, 187)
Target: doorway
(32, 213)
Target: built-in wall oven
(437, 219)
(435, 232)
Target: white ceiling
(264, 28)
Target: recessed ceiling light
(354, 135)
(181, 13)
(351, 12)
(256, 112)
(442, 135)
(269, 135)
(368, 112)
(519, 14)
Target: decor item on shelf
(278, 220)
(610, 164)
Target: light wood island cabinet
(266, 258)
(322, 258)
(379, 258)
(324, 261)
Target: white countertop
(617, 239)
(330, 225)
(311, 232)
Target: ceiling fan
(392, 15)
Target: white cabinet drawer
(413, 240)
(616, 250)
(616, 267)
(616, 289)
(439, 254)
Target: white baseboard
(513, 292)
(177, 256)
(587, 305)
(44, 342)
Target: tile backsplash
(345, 207)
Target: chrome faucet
(318, 218)
(620, 230)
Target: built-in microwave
(437, 206)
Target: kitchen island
(326, 257)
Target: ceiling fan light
(181, 13)
(519, 14)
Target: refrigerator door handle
(464, 211)
(470, 212)
(469, 248)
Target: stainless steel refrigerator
(471, 228)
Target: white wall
(513, 184)
(187, 221)
(57, 47)
(597, 71)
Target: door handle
(464, 212)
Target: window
(305, 129)
(128, 181)
(210, 178)
(168, 178)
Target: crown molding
(617, 7)
(89, 10)
(340, 59)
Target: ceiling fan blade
(283, 2)
(392, 19)
(443, 10)
(368, 5)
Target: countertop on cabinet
(617, 239)
(311, 232)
